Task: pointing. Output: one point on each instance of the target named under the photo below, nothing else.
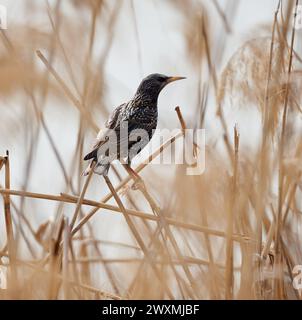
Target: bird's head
(153, 84)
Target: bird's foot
(138, 184)
(155, 208)
(124, 190)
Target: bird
(139, 114)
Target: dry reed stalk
(158, 243)
(137, 236)
(213, 77)
(178, 253)
(223, 16)
(35, 136)
(73, 265)
(181, 120)
(58, 277)
(136, 30)
(84, 101)
(40, 116)
(187, 260)
(267, 125)
(67, 91)
(290, 267)
(2, 162)
(28, 90)
(265, 136)
(11, 245)
(211, 263)
(252, 202)
(291, 197)
(269, 240)
(55, 261)
(160, 246)
(27, 223)
(140, 214)
(88, 241)
(229, 273)
(81, 197)
(8, 194)
(163, 224)
(279, 285)
(55, 26)
(215, 294)
(24, 236)
(66, 242)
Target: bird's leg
(138, 181)
(140, 185)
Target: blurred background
(65, 65)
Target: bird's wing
(113, 118)
(110, 124)
(124, 142)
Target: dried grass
(231, 233)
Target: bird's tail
(91, 155)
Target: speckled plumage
(140, 113)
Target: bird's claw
(138, 184)
(155, 208)
(124, 190)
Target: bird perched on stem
(139, 115)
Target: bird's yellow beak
(171, 79)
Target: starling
(139, 113)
